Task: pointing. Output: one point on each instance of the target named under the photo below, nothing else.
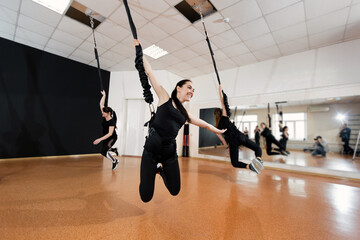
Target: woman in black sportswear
(270, 139)
(110, 136)
(284, 136)
(235, 138)
(159, 154)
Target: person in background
(257, 135)
(321, 147)
(246, 132)
(345, 138)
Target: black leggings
(171, 172)
(107, 144)
(270, 139)
(234, 152)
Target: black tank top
(232, 135)
(106, 124)
(168, 120)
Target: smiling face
(185, 92)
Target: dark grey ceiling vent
(190, 9)
(81, 14)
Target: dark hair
(263, 123)
(178, 104)
(111, 111)
(217, 114)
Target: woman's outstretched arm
(201, 123)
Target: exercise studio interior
(180, 119)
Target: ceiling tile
(123, 50)
(56, 52)
(242, 12)
(120, 17)
(221, 4)
(105, 63)
(287, 16)
(326, 22)
(244, 59)
(294, 46)
(173, 2)
(225, 64)
(74, 28)
(112, 56)
(170, 44)
(8, 15)
(268, 6)
(219, 55)
(126, 65)
(212, 24)
(198, 61)
(194, 72)
(148, 9)
(170, 59)
(185, 54)
(352, 31)
(7, 28)
(182, 66)
(35, 26)
(202, 48)
(7, 36)
(30, 36)
(112, 30)
(327, 38)
(11, 4)
(267, 53)
(40, 13)
(316, 8)
(66, 38)
(261, 42)
(61, 47)
(29, 43)
(83, 55)
(225, 39)
(152, 33)
(87, 47)
(354, 14)
(290, 33)
(105, 8)
(189, 36)
(103, 42)
(78, 59)
(236, 49)
(157, 65)
(129, 41)
(171, 21)
(252, 29)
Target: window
(246, 121)
(296, 123)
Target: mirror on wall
(305, 121)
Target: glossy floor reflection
(81, 198)
(332, 161)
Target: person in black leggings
(270, 139)
(110, 136)
(235, 138)
(159, 154)
(284, 137)
(257, 135)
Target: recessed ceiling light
(58, 6)
(155, 51)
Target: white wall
(331, 71)
(126, 86)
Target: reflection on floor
(333, 161)
(81, 198)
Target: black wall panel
(49, 105)
(207, 138)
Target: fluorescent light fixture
(155, 52)
(58, 6)
(341, 117)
